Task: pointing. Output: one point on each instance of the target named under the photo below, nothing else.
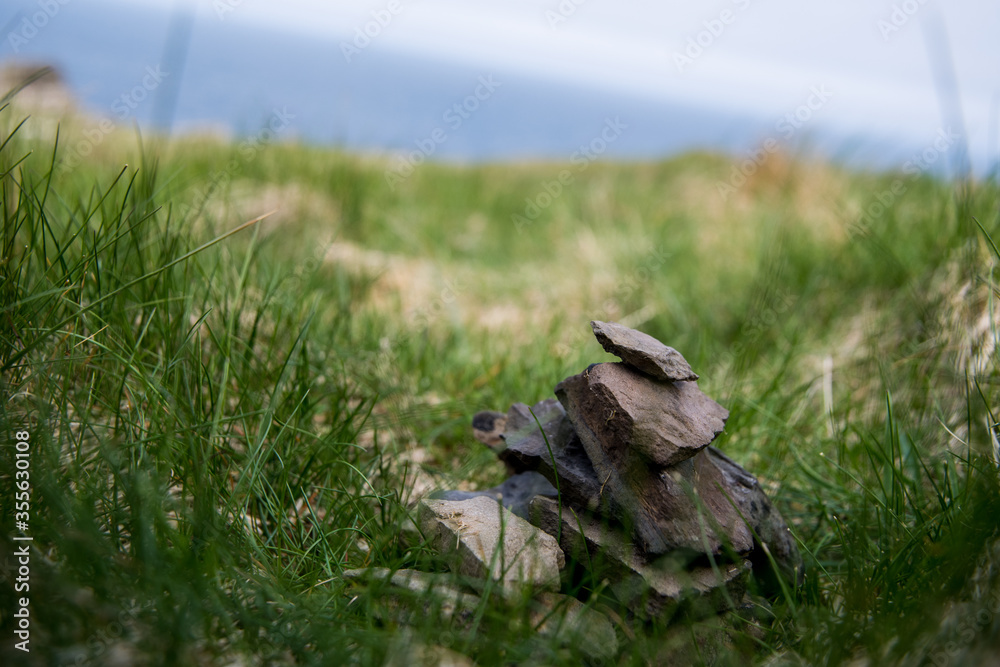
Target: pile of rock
(617, 476)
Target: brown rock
(684, 504)
(700, 505)
(640, 435)
(643, 352)
(658, 477)
(648, 589)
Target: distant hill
(39, 88)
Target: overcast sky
(766, 54)
(879, 61)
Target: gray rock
(558, 455)
(519, 414)
(515, 493)
(643, 352)
(521, 424)
(649, 589)
(701, 505)
(488, 540)
(690, 507)
(766, 521)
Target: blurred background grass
(223, 424)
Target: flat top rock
(643, 352)
(472, 529)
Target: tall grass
(221, 406)
(195, 465)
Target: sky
(876, 61)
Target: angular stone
(631, 414)
(515, 493)
(643, 352)
(713, 488)
(690, 505)
(640, 435)
(521, 424)
(648, 589)
(561, 460)
(701, 505)
(472, 531)
(584, 536)
(519, 415)
(710, 590)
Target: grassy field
(224, 417)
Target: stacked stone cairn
(617, 476)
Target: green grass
(220, 419)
